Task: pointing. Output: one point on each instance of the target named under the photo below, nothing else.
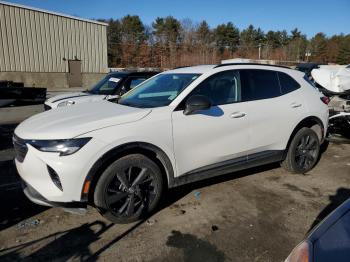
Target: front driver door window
(215, 135)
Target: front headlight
(66, 103)
(63, 146)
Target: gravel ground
(255, 215)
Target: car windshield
(157, 91)
(106, 85)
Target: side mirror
(195, 103)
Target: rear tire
(303, 152)
(128, 189)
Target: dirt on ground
(259, 214)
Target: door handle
(295, 105)
(237, 115)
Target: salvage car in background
(109, 88)
(334, 82)
(307, 67)
(329, 241)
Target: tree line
(169, 43)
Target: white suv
(177, 127)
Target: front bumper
(54, 180)
(36, 198)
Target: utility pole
(259, 51)
(307, 54)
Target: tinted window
(288, 84)
(107, 85)
(259, 84)
(221, 88)
(135, 81)
(130, 84)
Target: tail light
(325, 100)
(301, 253)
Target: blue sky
(310, 16)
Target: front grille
(46, 107)
(20, 147)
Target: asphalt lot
(255, 215)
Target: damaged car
(334, 82)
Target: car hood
(62, 97)
(69, 122)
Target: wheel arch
(153, 152)
(312, 122)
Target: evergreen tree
(226, 37)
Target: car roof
(200, 69)
(251, 64)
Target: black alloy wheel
(128, 189)
(306, 152)
(303, 152)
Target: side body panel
(273, 121)
(209, 136)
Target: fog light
(55, 178)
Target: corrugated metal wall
(34, 41)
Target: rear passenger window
(288, 84)
(259, 84)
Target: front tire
(128, 189)
(303, 152)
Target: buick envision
(177, 127)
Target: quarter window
(259, 84)
(221, 88)
(288, 84)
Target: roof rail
(232, 64)
(178, 67)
